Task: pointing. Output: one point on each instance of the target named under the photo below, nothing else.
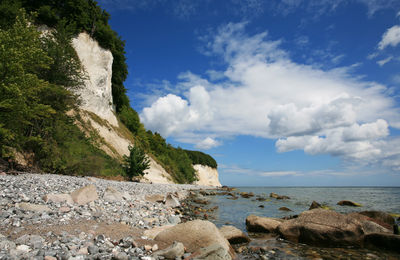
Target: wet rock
(348, 203)
(58, 198)
(284, 209)
(33, 207)
(85, 195)
(194, 235)
(111, 194)
(200, 201)
(278, 197)
(234, 235)
(247, 195)
(315, 205)
(176, 250)
(382, 241)
(322, 228)
(262, 224)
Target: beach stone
(315, 205)
(379, 217)
(48, 257)
(234, 235)
(6, 245)
(111, 194)
(23, 248)
(194, 235)
(284, 209)
(58, 198)
(348, 203)
(262, 224)
(152, 233)
(212, 252)
(155, 198)
(83, 251)
(322, 228)
(85, 195)
(64, 209)
(121, 256)
(176, 250)
(382, 241)
(171, 201)
(32, 207)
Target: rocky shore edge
(321, 231)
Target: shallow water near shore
(234, 212)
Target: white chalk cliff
(207, 176)
(96, 97)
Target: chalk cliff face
(96, 95)
(207, 176)
(96, 98)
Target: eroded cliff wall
(97, 111)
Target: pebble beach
(38, 220)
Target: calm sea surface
(235, 212)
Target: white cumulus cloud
(262, 92)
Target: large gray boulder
(234, 235)
(213, 252)
(322, 228)
(194, 235)
(368, 224)
(85, 195)
(262, 224)
(379, 217)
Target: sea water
(234, 212)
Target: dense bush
(136, 163)
(201, 158)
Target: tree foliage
(136, 163)
(77, 16)
(34, 74)
(201, 158)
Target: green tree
(136, 163)
(22, 58)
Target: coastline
(270, 245)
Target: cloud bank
(263, 93)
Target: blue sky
(280, 93)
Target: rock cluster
(328, 228)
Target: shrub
(136, 163)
